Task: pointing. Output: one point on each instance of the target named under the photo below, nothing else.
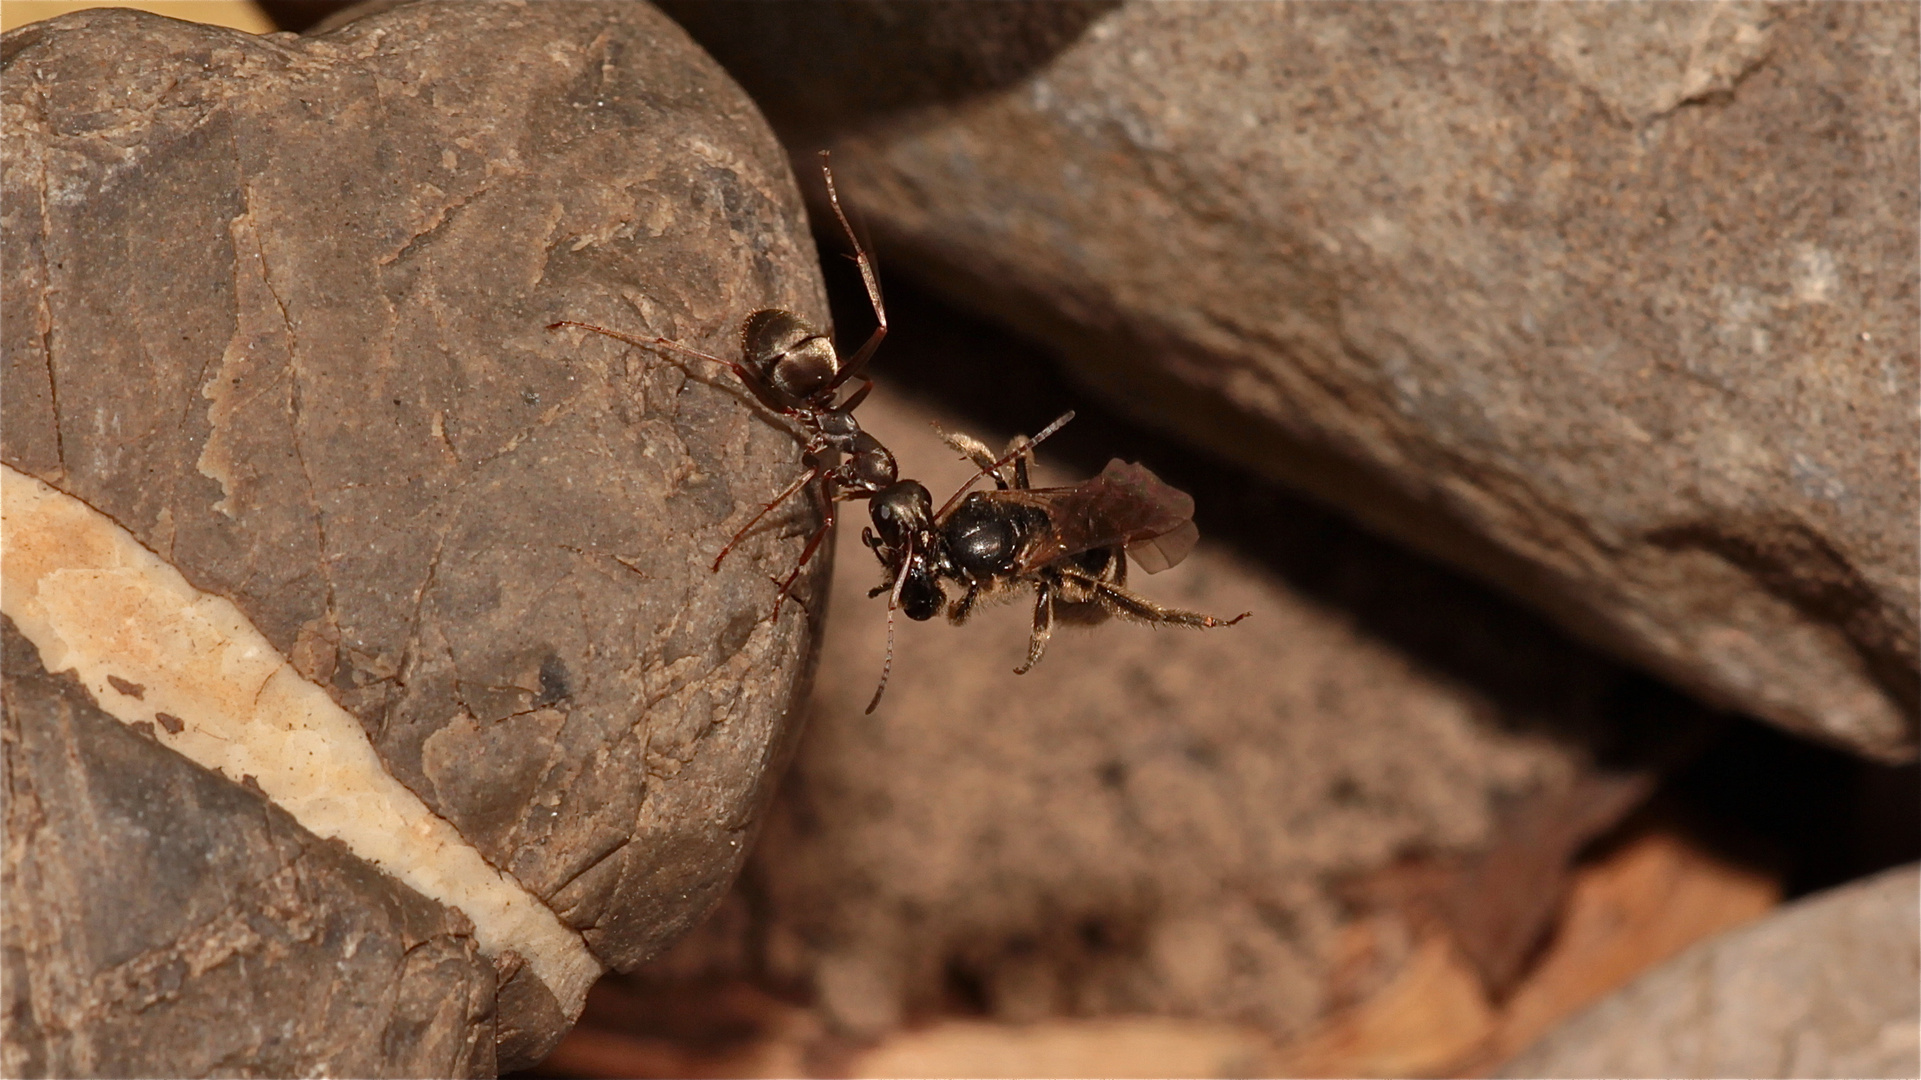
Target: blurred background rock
(1545, 382)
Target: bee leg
(968, 446)
(963, 607)
(1098, 565)
(1043, 626)
(1119, 601)
(1021, 449)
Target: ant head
(903, 516)
(795, 360)
(900, 510)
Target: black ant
(1071, 543)
(793, 369)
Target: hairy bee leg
(994, 468)
(975, 451)
(1043, 626)
(1020, 449)
(1120, 601)
(958, 612)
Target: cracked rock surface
(276, 306)
(149, 901)
(1614, 306)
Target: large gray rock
(1613, 304)
(276, 306)
(1827, 987)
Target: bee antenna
(893, 601)
(1026, 447)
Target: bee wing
(1126, 505)
(1158, 553)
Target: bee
(794, 371)
(1071, 544)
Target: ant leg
(854, 399)
(653, 343)
(740, 370)
(778, 499)
(806, 553)
(1043, 626)
(1120, 601)
(856, 365)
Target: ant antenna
(893, 601)
(1026, 447)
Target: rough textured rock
(1613, 305)
(1152, 821)
(1824, 988)
(276, 306)
(148, 902)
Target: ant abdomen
(795, 360)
